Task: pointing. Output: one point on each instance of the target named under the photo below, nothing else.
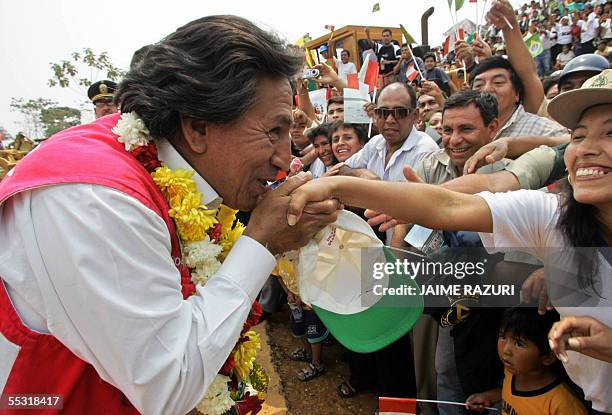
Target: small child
(304, 322)
(532, 383)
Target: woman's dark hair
(499, 62)
(319, 130)
(526, 323)
(484, 101)
(579, 224)
(208, 70)
(364, 44)
(360, 132)
(348, 53)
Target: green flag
(376, 8)
(534, 44)
(458, 4)
(409, 39)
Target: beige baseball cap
(333, 271)
(568, 107)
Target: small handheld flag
(411, 73)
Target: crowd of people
(512, 157)
(495, 122)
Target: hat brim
(380, 325)
(568, 107)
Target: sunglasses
(398, 113)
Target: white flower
(201, 253)
(217, 400)
(132, 131)
(201, 257)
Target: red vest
(88, 154)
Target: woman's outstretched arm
(427, 205)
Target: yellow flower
(174, 183)
(226, 217)
(244, 354)
(228, 241)
(192, 219)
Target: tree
(43, 117)
(67, 74)
(56, 119)
(32, 125)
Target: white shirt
(527, 220)
(564, 34)
(588, 29)
(372, 155)
(317, 168)
(92, 266)
(345, 69)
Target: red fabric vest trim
(85, 154)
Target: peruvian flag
(397, 406)
(449, 43)
(368, 74)
(330, 27)
(352, 81)
(411, 72)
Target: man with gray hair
(104, 232)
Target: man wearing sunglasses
(399, 143)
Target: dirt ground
(318, 396)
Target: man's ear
(492, 127)
(194, 133)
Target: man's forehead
(393, 94)
(492, 73)
(461, 115)
(426, 98)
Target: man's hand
(432, 89)
(327, 74)
(464, 52)
(369, 109)
(534, 288)
(499, 10)
(487, 154)
(481, 49)
(268, 224)
(584, 335)
(386, 221)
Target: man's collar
(409, 143)
(443, 158)
(172, 158)
(519, 109)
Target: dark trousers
(587, 47)
(390, 370)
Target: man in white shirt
(400, 143)
(88, 267)
(345, 67)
